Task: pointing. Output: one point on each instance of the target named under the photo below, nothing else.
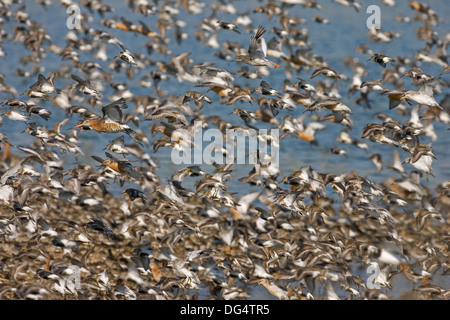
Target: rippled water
(346, 31)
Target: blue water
(346, 31)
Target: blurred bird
(338, 150)
(45, 85)
(245, 115)
(125, 55)
(120, 168)
(377, 161)
(395, 97)
(328, 72)
(265, 89)
(381, 59)
(228, 26)
(422, 158)
(15, 113)
(372, 85)
(330, 104)
(134, 194)
(118, 146)
(417, 75)
(197, 97)
(425, 95)
(257, 51)
(86, 87)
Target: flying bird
(257, 51)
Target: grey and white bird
(265, 89)
(125, 55)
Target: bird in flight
(257, 51)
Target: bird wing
(429, 86)
(110, 156)
(120, 140)
(41, 80)
(258, 46)
(98, 159)
(13, 170)
(113, 110)
(77, 79)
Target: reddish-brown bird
(257, 51)
(111, 122)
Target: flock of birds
(301, 235)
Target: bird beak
(79, 125)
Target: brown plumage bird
(197, 97)
(111, 122)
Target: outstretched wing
(113, 110)
(258, 47)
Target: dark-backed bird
(111, 122)
(257, 51)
